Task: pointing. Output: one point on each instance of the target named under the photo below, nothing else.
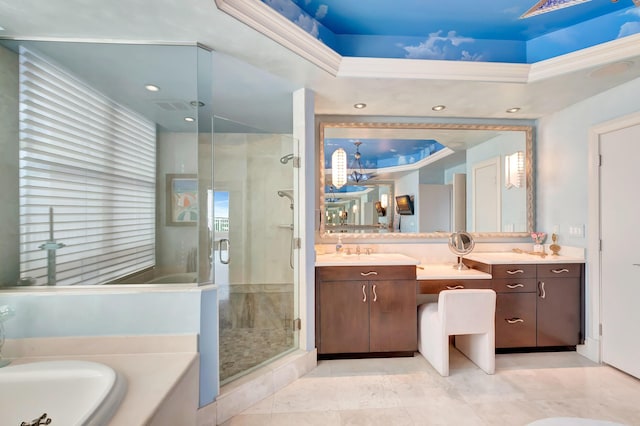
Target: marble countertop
(446, 271)
(378, 259)
(497, 258)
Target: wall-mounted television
(381, 210)
(404, 205)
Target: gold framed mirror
(438, 178)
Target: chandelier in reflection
(356, 171)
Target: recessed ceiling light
(438, 107)
(360, 105)
(152, 87)
(196, 104)
(189, 119)
(512, 110)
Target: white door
(620, 258)
(486, 196)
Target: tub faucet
(44, 419)
(51, 246)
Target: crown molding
(423, 69)
(267, 21)
(605, 53)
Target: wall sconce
(384, 201)
(514, 170)
(339, 168)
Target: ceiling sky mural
(465, 30)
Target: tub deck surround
(159, 371)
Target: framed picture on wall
(182, 200)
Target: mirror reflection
(430, 178)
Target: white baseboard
(590, 349)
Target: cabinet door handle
(375, 295)
(560, 271)
(454, 287)
(515, 271)
(364, 294)
(366, 274)
(514, 285)
(513, 320)
(543, 294)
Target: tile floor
(408, 391)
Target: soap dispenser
(339, 246)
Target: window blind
(93, 162)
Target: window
(87, 179)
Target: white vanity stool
(467, 314)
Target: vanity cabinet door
(558, 311)
(393, 316)
(515, 320)
(343, 317)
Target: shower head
(286, 158)
(288, 194)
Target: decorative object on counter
(6, 312)
(339, 245)
(538, 240)
(542, 254)
(461, 243)
(555, 248)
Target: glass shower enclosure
(252, 219)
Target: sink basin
(69, 392)
(380, 259)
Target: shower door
(253, 249)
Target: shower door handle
(228, 246)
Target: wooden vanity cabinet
(436, 286)
(538, 305)
(515, 287)
(370, 309)
(559, 304)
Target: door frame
(592, 348)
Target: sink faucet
(358, 250)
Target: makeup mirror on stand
(461, 243)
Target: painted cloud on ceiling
(438, 46)
(632, 26)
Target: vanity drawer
(559, 270)
(514, 285)
(516, 320)
(436, 286)
(365, 273)
(513, 271)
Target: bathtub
(67, 392)
(185, 277)
(151, 277)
